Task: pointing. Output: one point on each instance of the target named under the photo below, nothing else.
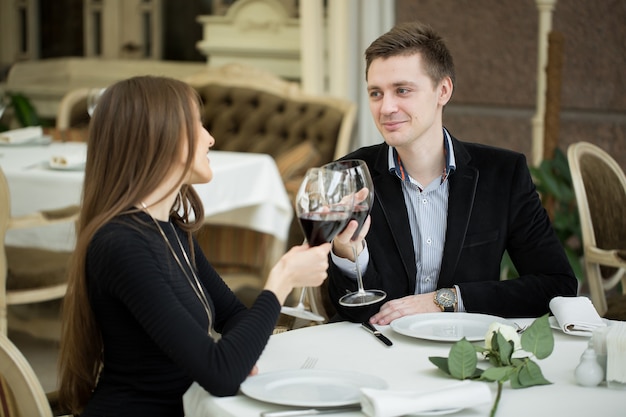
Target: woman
(142, 299)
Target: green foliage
(523, 372)
(554, 184)
(23, 111)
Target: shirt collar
(396, 167)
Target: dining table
(405, 366)
(246, 190)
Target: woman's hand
(301, 266)
(254, 371)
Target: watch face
(446, 297)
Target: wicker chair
(600, 187)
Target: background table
(246, 191)
(405, 366)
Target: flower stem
(497, 401)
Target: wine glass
(4, 101)
(93, 96)
(358, 170)
(324, 204)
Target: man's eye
(374, 94)
(403, 90)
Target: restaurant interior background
(494, 44)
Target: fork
(309, 363)
(520, 329)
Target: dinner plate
(436, 412)
(310, 387)
(446, 327)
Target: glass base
(363, 298)
(301, 313)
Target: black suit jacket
(493, 206)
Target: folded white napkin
(69, 160)
(385, 403)
(616, 353)
(23, 135)
(575, 314)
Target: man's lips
(392, 125)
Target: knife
(370, 328)
(312, 411)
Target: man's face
(405, 104)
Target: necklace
(195, 283)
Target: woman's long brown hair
(135, 136)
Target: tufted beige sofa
(249, 110)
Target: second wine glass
(324, 204)
(93, 96)
(364, 190)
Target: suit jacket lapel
(390, 199)
(462, 190)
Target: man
(445, 211)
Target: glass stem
(301, 301)
(359, 277)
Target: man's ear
(445, 90)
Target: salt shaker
(589, 373)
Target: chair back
(21, 393)
(30, 275)
(600, 187)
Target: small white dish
(447, 327)
(310, 387)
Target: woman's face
(200, 171)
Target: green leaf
(529, 375)
(24, 110)
(506, 349)
(498, 373)
(441, 363)
(538, 338)
(462, 360)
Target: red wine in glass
(321, 227)
(359, 213)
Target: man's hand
(342, 244)
(400, 307)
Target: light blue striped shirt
(427, 208)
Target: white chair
(29, 275)
(600, 187)
(21, 393)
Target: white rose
(508, 332)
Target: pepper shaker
(589, 373)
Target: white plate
(436, 412)
(34, 141)
(555, 325)
(310, 387)
(72, 167)
(447, 327)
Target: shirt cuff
(347, 266)
(459, 300)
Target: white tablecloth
(405, 366)
(246, 191)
